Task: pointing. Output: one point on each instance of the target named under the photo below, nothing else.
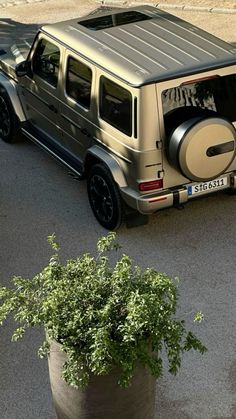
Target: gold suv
(137, 101)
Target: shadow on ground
(15, 33)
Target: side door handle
(52, 108)
(85, 132)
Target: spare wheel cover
(203, 148)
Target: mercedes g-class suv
(137, 101)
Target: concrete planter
(103, 398)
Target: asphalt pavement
(197, 244)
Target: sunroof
(116, 19)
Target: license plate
(205, 187)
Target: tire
(202, 148)
(9, 126)
(104, 197)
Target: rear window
(204, 97)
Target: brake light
(200, 79)
(153, 184)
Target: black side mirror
(23, 69)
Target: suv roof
(144, 44)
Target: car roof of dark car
(143, 45)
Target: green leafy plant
(103, 316)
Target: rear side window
(116, 105)
(46, 61)
(78, 82)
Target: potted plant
(107, 327)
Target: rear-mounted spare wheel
(202, 148)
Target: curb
(11, 3)
(120, 3)
(163, 6)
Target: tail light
(149, 186)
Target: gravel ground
(221, 25)
(196, 3)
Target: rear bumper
(150, 203)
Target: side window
(46, 61)
(78, 82)
(116, 105)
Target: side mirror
(23, 69)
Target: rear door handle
(85, 132)
(52, 108)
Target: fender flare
(111, 162)
(10, 87)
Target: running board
(52, 153)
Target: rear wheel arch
(97, 155)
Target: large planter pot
(103, 398)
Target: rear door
(77, 107)
(198, 151)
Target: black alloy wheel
(8, 120)
(104, 197)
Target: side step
(55, 153)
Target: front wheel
(104, 197)
(8, 120)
